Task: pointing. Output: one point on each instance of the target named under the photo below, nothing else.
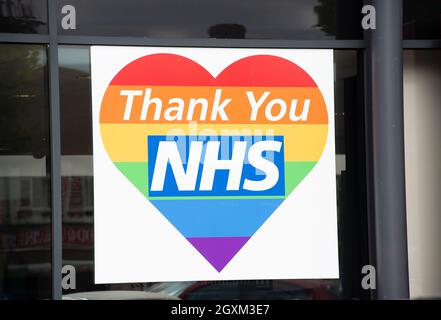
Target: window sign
(213, 164)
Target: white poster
(213, 164)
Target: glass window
(23, 16)
(250, 19)
(25, 210)
(76, 163)
(422, 19)
(422, 113)
(77, 177)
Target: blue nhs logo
(215, 166)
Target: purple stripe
(218, 250)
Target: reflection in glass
(23, 16)
(422, 19)
(25, 212)
(77, 178)
(76, 163)
(422, 114)
(233, 19)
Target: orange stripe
(238, 110)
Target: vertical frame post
(54, 99)
(385, 76)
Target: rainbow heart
(218, 225)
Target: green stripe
(137, 173)
(295, 172)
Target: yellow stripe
(128, 142)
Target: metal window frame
(385, 136)
(32, 38)
(53, 40)
(55, 130)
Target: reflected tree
(326, 14)
(337, 18)
(24, 103)
(227, 31)
(18, 16)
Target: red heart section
(172, 70)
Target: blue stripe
(217, 218)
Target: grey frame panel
(385, 78)
(24, 38)
(229, 43)
(54, 98)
